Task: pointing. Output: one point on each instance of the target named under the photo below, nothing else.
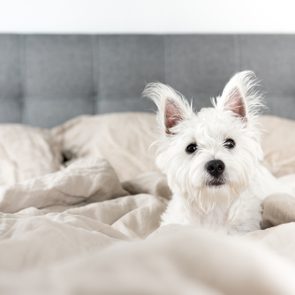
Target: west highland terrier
(213, 158)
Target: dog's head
(214, 150)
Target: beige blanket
(79, 231)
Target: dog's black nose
(215, 168)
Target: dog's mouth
(216, 182)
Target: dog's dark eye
(229, 143)
(191, 148)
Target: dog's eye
(229, 143)
(191, 148)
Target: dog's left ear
(240, 96)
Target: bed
(80, 194)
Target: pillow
(26, 152)
(124, 139)
(278, 143)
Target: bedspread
(80, 231)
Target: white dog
(212, 158)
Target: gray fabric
(47, 79)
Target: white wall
(147, 16)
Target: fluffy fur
(234, 204)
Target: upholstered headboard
(47, 79)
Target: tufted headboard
(47, 79)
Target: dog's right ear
(173, 108)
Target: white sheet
(77, 232)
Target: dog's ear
(173, 108)
(240, 96)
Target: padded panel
(47, 79)
(58, 66)
(51, 112)
(199, 66)
(127, 63)
(272, 57)
(273, 60)
(58, 78)
(11, 65)
(11, 110)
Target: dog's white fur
(234, 206)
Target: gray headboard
(47, 79)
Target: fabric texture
(26, 152)
(125, 140)
(48, 79)
(278, 142)
(90, 225)
(77, 232)
(128, 142)
(278, 209)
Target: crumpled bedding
(90, 224)
(27, 152)
(80, 231)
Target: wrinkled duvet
(80, 208)
(80, 231)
